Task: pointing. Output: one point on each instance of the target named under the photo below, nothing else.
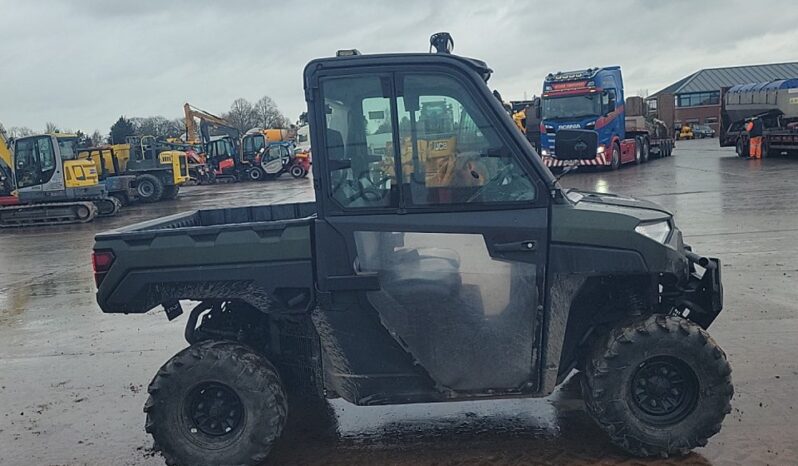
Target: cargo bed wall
(201, 255)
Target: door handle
(528, 245)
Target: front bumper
(702, 296)
(553, 162)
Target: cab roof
(404, 59)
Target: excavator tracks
(107, 207)
(55, 213)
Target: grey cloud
(83, 63)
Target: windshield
(67, 148)
(573, 106)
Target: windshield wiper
(568, 169)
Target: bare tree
(3, 131)
(268, 115)
(20, 131)
(242, 115)
(51, 127)
(96, 138)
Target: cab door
(36, 164)
(432, 212)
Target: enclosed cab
(593, 99)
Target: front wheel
(742, 150)
(659, 386)
(216, 402)
(615, 160)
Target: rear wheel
(741, 148)
(638, 152)
(659, 386)
(298, 172)
(645, 151)
(149, 188)
(216, 402)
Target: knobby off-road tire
(216, 402)
(149, 188)
(671, 361)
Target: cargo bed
(263, 252)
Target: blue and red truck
(594, 99)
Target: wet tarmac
(73, 380)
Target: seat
(409, 273)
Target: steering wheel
(371, 190)
(500, 176)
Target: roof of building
(712, 79)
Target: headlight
(600, 149)
(544, 152)
(658, 231)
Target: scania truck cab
(593, 99)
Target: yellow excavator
(47, 184)
(6, 172)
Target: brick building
(697, 97)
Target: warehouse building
(697, 97)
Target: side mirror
(575, 144)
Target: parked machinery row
(227, 156)
(48, 179)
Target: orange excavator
(219, 159)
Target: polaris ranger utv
(438, 263)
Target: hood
(617, 201)
(608, 199)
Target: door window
(35, 161)
(359, 143)
(450, 151)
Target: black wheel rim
(664, 390)
(214, 409)
(146, 189)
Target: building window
(697, 99)
(710, 120)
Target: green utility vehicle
(429, 269)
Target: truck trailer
(594, 99)
(775, 103)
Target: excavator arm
(193, 133)
(6, 168)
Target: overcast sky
(81, 64)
